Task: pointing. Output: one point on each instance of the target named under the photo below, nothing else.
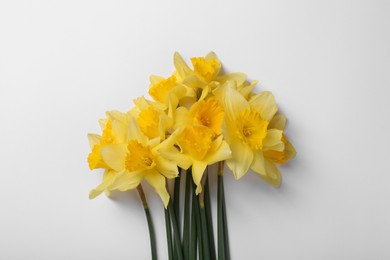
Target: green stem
(195, 201)
(152, 235)
(176, 234)
(221, 239)
(225, 225)
(205, 236)
(187, 216)
(168, 229)
(176, 198)
(192, 255)
(209, 219)
(176, 206)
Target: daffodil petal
(119, 130)
(126, 180)
(103, 123)
(198, 168)
(211, 55)
(264, 103)
(154, 79)
(239, 78)
(272, 176)
(258, 164)
(157, 181)
(219, 151)
(183, 161)
(231, 100)
(241, 159)
(166, 167)
(114, 156)
(116, 115)
(274, 137)
(94, 139)
(181, 116)
(108, 178)
(289, 151)
(181, 66)
(278, 122)
(134, 132)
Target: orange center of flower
(139, 157)
(251, 128)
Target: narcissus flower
(151, 118)
(248, 132)
(113, 132)
(139, 158)
(198, 148)
(206, 112)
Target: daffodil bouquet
(194, 118)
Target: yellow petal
(183, 161)
(134, 132)
(154, 79)
(264, 103)
(181, 66)
(108, 178)
(231, 100)
(272, 176)
(273, 138)
(166, 167)
(241, 160)
(219, 151)
(157, 181)
(278, 122)
(211, 56)
(103, 123)
(289, 151)
(198, 169)
(258, 165)
(246, 90)
(182, 118)
(126, 180)
(239, 78)
(94, 139)
(193, 81)
(116, 115)
(114, 156)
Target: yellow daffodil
(170, 91)
(151, 118)
(113, 129)
(205, 74)
(206, 112)
(197, 148)
(248, 132)
(280, 157)
(139, 158)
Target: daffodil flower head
(198, 149)
(113, 128)
(206, 112)
(139, 158)
(248, 132)
(151, 118)
(206, 68)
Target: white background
(64, 63)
